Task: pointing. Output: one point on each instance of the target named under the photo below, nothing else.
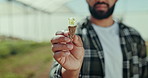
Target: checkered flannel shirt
(135, 60)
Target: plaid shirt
(135, 61)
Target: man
(108, 49)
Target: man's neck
(104, 22)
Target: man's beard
(101, 14)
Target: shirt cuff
(57, 73)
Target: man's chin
(100, 16)
(101, 13)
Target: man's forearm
(70, 74)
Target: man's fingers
(65, 33)
(58, 55)
(60, 38)
(59, 32)
(62, 47)
(77, 41)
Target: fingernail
(63, 42)
(67, 53)
(59, 32)
(69, 46)
(66, 33)
(67, 39)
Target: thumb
(77, 41)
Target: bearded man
(102, 48)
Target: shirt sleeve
(143, 58)
(55, 71)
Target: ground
(33, 64)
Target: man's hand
(68, 52)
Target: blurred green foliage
(25, 59)
(13, 47)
